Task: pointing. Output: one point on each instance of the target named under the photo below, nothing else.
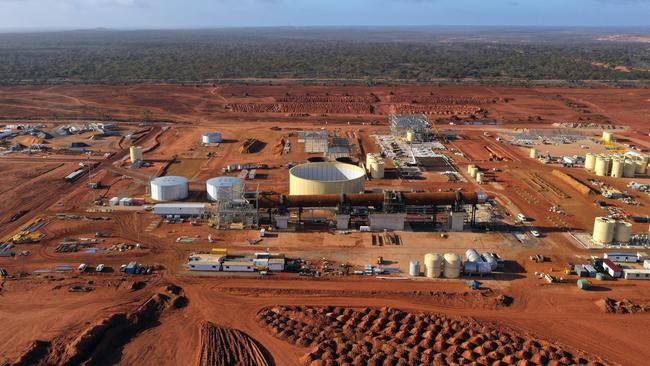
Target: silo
(617, 167)
(533, 153)
(135, 153)
(326, 178)
(602, 165)
(211, 137)
(479, 177)
(469, 168)
(489, 258)
(607, 136)
(629, 168)
(604, 230)
(472, 256)
(473, 172)
(641, 164)
(432, 265)
(590, 162)
(375, 165)
(452, 265)
(414, 268)
(623, 232)
(410, 136)
(224, 188)
(169, 188)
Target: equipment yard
(286, 224)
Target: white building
(238, 266)
(189, 209)
(636, 274)
(205, 262)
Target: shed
(621, 257)
(612, 269)
(590, 270)
(636, 274)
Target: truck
(82, 267)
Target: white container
(169, 188)
(211, 138)
(414, 268)
(604, 229)
(224, 189)
(452, 264)
(433, 263)
(623, 232)
(590, 162)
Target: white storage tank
(533, 153)
(629, 168)
(452, 265)
(433, 265)
(472, 256)
(641, 164)
(211, 138)
(617, 167)
(602, 165)
(623, 232)
(489, 258)
(410, 136)
(479, 177)
(224, 188)
(326, 178)
(414, 268)
(604, 229)
(375, 165)
(469, 168)
(473, 172)
(169, 188)
(590, 162)
(607, 136)
(135, 153)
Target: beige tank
(469, 168)
(533, 153)
(375, 165)
(641, 164)
(603, 163)
(410, 136)
(590, 162)
(607, 136)
(432, 265)
(135, 153)
(604, 229)
(479, 177)
(452, 265)
(617, 167)
(473, 172)
(629, 168)
(623, 232)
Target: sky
(137, 14)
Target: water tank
(602, 165)
(489, 258)
(617, 167)
(607, 136)
(169, 188)
(629, 168)
(452, 265)
(224, 188)
(326, 178)
(414, 268)
(623, 232)
(469, 168)
(641, 164)
(590, 162)
(432, 265)
(479, 177)
(211, 137)
(473, 172)
(604, 230)
(533, 153)
(472, 256)
(410, 136)
(135, 153)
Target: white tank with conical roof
(452, 265)
(432, 265)
(623, 232)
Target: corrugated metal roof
(181, 205)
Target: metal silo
(590, 162)
(452, 265)
(135, 153)
(623, 232)
(617, 167)
(414, 268)
(479, 177)
(169, 188)
(607, 136)
(472, 256)
(604, 229)
(629, 168)
(602, 165)
(469, 168)
(489, 258)
(533, 153)
(473, 172)
(432, 265)
(326, 178)
(224, 188)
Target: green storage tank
(600, 276)
(583, 284)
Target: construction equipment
(380, 260)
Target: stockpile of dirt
(224, 346)
(438, 109)
(101, 340)
(315, 107)
(368, 99)
(387, 336)
(623, 306)
(436, 99)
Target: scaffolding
(401, 124)
(316, 141)
(241, 212)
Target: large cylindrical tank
(469, 168)
(326, 178)
(617, 167)
(602, 165)
(641, 164)
(452, 265)
(607, 136)
(489, 258)
(414, 268)
(433, 265)
(376, 166)
(623, 232)
(224, 189)
(583, 284)
(629, 168)
(480, 268)
(590, 162)
(211, 137)
(472, 256)
(169, 188)
(479, 177)
(473, 172)
(410, 136)
(604, 229)
(135, 153)
(533, 153)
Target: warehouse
(181, 209)
(621, 257)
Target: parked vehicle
(99, 268)
(82, 267)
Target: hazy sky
(43, 14)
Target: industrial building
(169, 188)
(409, 126)
(211, 138)
(181, 209)
(621, 257)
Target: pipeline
(370, 199)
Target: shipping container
(612, 269)
(621, 257)
(636, 274)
